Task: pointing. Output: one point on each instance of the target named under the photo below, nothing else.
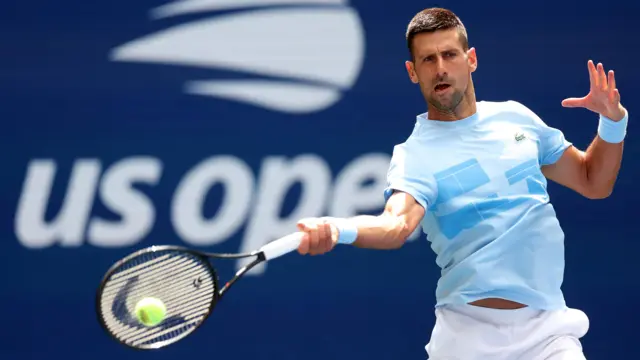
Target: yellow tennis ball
(150, 311)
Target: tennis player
(474, 174)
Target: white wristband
(613, 131)
(347, 232)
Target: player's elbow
(396, 233)
(394, 243)
(599, 192)
(401, 233)
(598, 195)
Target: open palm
(603, 97)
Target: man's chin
(447, 104)
(442, 106)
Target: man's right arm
(409, 191)
(389, 230)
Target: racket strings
(182, 281)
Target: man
(475, 175)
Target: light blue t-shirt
(489, 219)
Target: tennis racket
(185, 280)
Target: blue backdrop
(217, 124)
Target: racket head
(183, 279)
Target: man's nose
(440, 68)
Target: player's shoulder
(511, 111)
(508, 107)
(412, 140)
(407, 147)
(414, 148)
(414, 157)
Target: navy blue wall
(335, 99)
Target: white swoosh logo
(294, 98)
(321, 46)
(194, 6)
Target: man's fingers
(303, 248)
(327, 241)
(593, 77)
(612, 80)
(602, 77)
(573, 102)
(616, 95)
(306, 243)
(322, 234)
(314, 240)
(612, 86)
(306, 224)
(317, 238)
(303, 224)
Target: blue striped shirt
(488, 219)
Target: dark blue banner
(217, 124)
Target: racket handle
(282, 246)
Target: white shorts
(466, 332)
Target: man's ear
(411, 71)
(472, 59)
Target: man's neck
(465, 109)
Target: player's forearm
(382, 232)
(389, 230)
(604, 156)
(602, 164)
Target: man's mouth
(441, 87)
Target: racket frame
(206, 258)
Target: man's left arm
(593, 172)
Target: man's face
(442, 68)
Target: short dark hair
(433, 19)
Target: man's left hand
(603, 97)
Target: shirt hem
(538, 304)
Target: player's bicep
(410, 188)
(405, 209)
(570, 170)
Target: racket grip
(282, 246)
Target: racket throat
(260, 258)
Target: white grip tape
(282, 246)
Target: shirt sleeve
(407, 175)
(551, 141)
